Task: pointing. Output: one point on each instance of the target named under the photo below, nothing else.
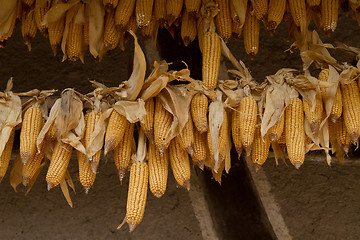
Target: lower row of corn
(195, 140)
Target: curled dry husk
(10, 113)
(8, 14)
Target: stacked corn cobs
(75, 26)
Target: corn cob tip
(315, 126)
(45, 33)
(25, 181)
(190, 150)
(202, 128)
(50, 185)
(158, 194)
(87, 188)
(25, 157)
(94, 166)
(150, 135)
(270, 27)
(273, 137)
(122, 173)
(162, 149)
(109, 7)
(345, 148)
(132, 226)
(55, 48)
(333, 118)
(27, 43)
(248, 150)
(2, 44)
(257, 166)
(109, 145)
(297, 164)
(239, 151)
(252, 55)
(354, 137)
(186, 41)
(201, 164)
(187, 184)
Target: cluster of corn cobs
(76, 26)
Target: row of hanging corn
(291, 111)
(76, 26)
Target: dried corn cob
(236, 131)
(187, 137)
(211, 59)
(160, 11)
(188, 28)
(276, 131)
(342, 136)
(298, 11)
(260, 148)
(314, 117)
(28, 27)
(200, 148)
(150, 31)
(56, 31)
(329, 15)
(6, 154)
(111, 35)
(282, 139)
(162, 124)
(180, 164)
(313, 3)
(123, 12)
(143, 11)
(192, 6)
(148, 125)
(295, 132)
(74, 41)
(158, 170)
(58, 164)
(137, 193)
(31, 126)
(115, 131)
(251, 33)
(90, 127)
(86, 33)
(110, 5)
(351, 109)
(260, 8)
(29, 169)
(223, 19)
(199, 108)
(276, 13)
(236, 29)
(173, 10)
(123, 151)
(41, 7)
(248, 115)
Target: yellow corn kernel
(342, 136)
(58, 164)
(74, 41)
(56, 31)
(223, 19)
(173, 10)
(236, 130)
(41, 7)
(160, 11)
(110, 5)
(162, 124)
(158, 170)
(31, 127)
(180, 164)
(188, 28)
(314, 117)
(6, 155)
(148, 125)
(351, 109)
(111, 35)
(276, 13)
(313, 3)
(200, 149)
(295, 132)
(28, 27)
(282, 139)
(137, 193)
(276, 131)
(251, 33)
(123, 12)
(199, 108)
(115, 131)
(192, 6)
(248, 116)
(211, 59)
(123, 151)
(260, 8)
(150, 31)
(298, 11)
(29, 169)
(329, 15)
(143, 11)
(187, 137)
(260, 149)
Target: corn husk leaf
(33, 179)
(240, 8)
(16, 173)
(7, 8)
(140, 155)
(5, 26)
(64, 188)
(96, 13)
(57, 12)
(10, 114)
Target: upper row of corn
(99, 26)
